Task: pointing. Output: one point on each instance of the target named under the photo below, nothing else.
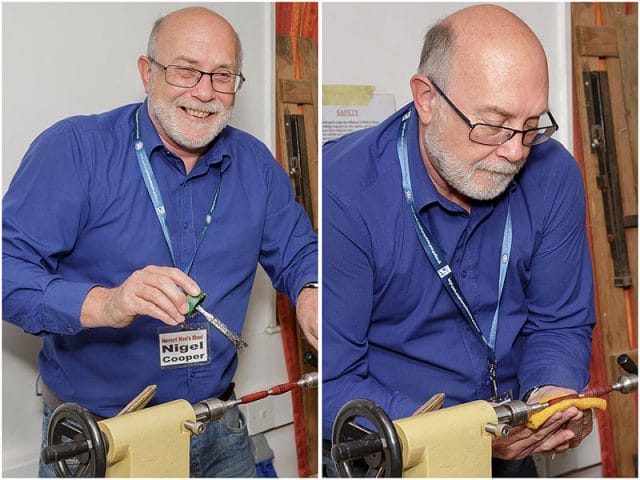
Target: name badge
(182, 346)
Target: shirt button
(463, 274)
(185, 225)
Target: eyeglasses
(187, 77)
(495, 135)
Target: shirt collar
(219, 152)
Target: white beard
(201, 135)
(460, 175)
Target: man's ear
(423, 98)
(144, 67)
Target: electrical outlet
(260, 416)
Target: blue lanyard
(156, 198)
(438, 261)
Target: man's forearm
(307, 313)
(92, 314)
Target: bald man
(144, 204)
(455, 255)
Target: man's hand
(307, 313)
(158, 292)
(562, 431)
(581, 424)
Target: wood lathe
(139, 442)
(451, 442)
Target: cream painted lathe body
(457, 443)
(153, 442)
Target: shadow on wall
(19, 349)
(20, 405)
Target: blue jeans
(223, 450)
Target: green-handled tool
(195, 305)
(193, 302)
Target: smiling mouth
(196, 113)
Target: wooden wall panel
(614, 304)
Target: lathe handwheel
(75, 423)
(354, 446)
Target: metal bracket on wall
(602, 138)
(297, 160)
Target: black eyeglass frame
(211, 75)
(515, 131)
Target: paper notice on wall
(347, 108)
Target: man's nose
(513, 150)
(204, 89)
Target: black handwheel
(76, 447)
(358, 451)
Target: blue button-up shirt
(77, 214)
(392, 334)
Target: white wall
(379, 44)
(78, 58)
